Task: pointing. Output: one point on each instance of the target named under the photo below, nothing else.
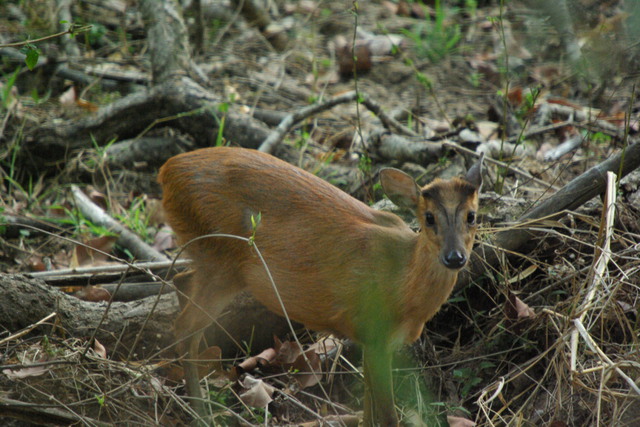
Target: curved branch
(573, 195)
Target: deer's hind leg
(202, 295)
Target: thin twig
(28, 329)
(73, 29)
(140, 266)
(596, 349)
(275, 137)
(600, 261)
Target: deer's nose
(454, 259)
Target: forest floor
(549, 335)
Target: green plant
(137, 219)
(471, 7)
(32, 53)
(528, 103)
(470, 377)
(95, 158)
(435, 40)
(223, 108)
(364, 164)
(417, 399)
(80, 224)
(48, 348)
(255, 222)
(475, 78)
(226, 401)
(96, 33)
(100, 398)
(3, 221)
(37, 99)
(302, 141)
(6, 96)
(600, 138)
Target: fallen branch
(126, 238)
(573, 195)
(108, 269)
(180, 103)
(37, 415)
(275, 137)
(25, 299)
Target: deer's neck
(428, 285)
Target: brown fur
(338, 264)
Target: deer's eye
(429, 218)
(471, 218)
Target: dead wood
(180, 103)
(146, 153)
(168, 42)
(108, 273)
(14, 223)
(244, 325)
(175, 100)
(64, 18)
(51, 68)
(575, 117)
(344, 176)
(25, 300)
(275, 137)
(389, 146)
(135, 291)
(34, 414)
(573, 195)
(126, 238)
(257, 17)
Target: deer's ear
(474, 174)
(400, 188)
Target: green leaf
(32, 57)
(255, 220)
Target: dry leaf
(257, 393)
(325, 345)
(98, 198)
(210, 361)
(345, 55)
(87, 105)
(68, 97)
(304, 7)
(99, 349)
(263, 359)
(626, 307)
(523, 274)
(93, 294)
(35, 263)
(339, 420)
(307, 374)
(515, 96)
(307, 367)
(164, 239)
(459, 422)
(381, 45)
(523, 310)
(287, 351)
(28, 371)
(88, 254)
(515, 309)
